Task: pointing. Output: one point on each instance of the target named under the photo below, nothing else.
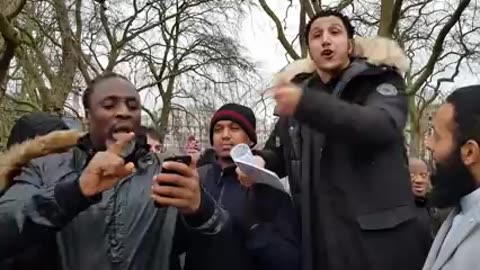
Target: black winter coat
(344, 155)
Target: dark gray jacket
(122, 229)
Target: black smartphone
(187, 160)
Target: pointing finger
(121, 141)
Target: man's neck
(225, 163)
(327, 76)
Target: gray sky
(260, 38)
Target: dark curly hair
(91, 86)
(327, 13)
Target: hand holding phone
(178, 185)
(187, 160)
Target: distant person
(420, 179)
(153, 138)
(193, 146)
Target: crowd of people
(108, 199)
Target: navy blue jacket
(261, 232)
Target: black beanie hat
(34, 124)
(239, 114)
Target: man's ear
(470, 153)
(86, 120)
(351, 46)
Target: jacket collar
(378, 51)
(226, 172)
(441, 252)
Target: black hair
(34, 124)
(466, 102)
(150, 131)
(327, 13)
(91, 85)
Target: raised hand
(106, 168)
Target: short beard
(451, 181)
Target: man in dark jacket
(261, 231)
(42, 256)
(339, 139)
(96, 197)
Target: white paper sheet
(243, 158)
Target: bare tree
(194, 58)
(178, 53)
(9, 37)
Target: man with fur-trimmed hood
(44, 255)
(339, 139)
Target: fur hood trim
(377, 51)
(13, 159)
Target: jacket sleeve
(270, 227)
(272, 153)
(380, 120)
(274, 240)
(29, 210)
(211, 218)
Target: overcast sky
(260, 37)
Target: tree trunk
(164, 119)
(386, 12)
(414, 147)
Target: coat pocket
(386, 218)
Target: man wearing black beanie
(238, 114)
(261, 232)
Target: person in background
(153, 138)
(193, 146)
(455, 147)
(41, 256)
(420, 179)
(204, 157)
(261, 231)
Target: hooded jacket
(343, 152)
(44, 255)
(121, 229)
